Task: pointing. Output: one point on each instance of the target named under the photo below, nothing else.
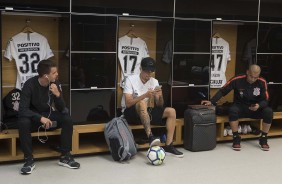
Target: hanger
(27, 28)
(216, 35)
(130, 32)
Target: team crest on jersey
(256, 91)
(16, 105)
(241, 94)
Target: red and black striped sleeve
(264, 93)
(230, 85)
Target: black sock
(64, 153)
(235, 134)
(263, 134)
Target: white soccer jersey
(130, 53)
(27, 49)
(133, 85)
(220, 58)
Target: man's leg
(234, 112)
(138, 114)
(267, 114)
(65, 122)
(141, 109)
(170, 115)
(25, 125)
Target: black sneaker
(68, 161)
(28, 167)
(154, 141)
(236, 143)
(171, 150)
(263, 143)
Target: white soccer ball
(156, 155)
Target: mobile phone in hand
(158, 87)
(54, 124)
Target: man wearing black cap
(137, 92)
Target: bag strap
(124, 153)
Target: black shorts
(155, 113)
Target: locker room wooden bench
(275, 130)
(86, 139)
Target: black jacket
(244, 92)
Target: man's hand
(158, 93)
(254, 107)
(47, 123)
(54, 90)
(206, 102)
(150, 93)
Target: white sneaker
(244, 129)
(249, 128)
(224, 132)
(239, 129)
(229, 131)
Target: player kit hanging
(130, 53)
(27, 49)
(219, 60)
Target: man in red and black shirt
(250, 101)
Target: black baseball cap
(148, 64)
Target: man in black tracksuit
(36, 113)
(250, 101)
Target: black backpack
(11, 108)
(98, 115)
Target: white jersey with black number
(130, 53)
(134, 86)
(27, 49)
(220, 58)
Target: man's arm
(230, 85)
(24, 107)
(129, 100)
(264, 97)
(159, 100)
(58, 99)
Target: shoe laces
(68, 157)
(236, 140)
(28, 163)
(263, 140)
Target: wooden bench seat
(86, 139)
(276, 128)
(90, 139)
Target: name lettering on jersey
(215, 47)
(130, 50)
(217, 51)
(214, 82)
(25, 47)
(215, 75)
